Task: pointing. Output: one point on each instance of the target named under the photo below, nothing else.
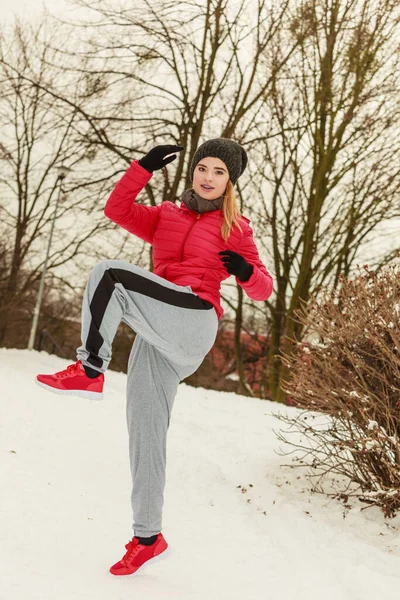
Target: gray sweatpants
(175, 330)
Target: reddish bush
(350, 372)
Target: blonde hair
(230, 211)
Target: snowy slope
(65, 509)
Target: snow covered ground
(239, 525)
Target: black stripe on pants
(139, 284)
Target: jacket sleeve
(122, 209)
(260, 285)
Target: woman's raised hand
(155, 159)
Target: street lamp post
(62, 173)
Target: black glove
(236, 265)
(155, 160)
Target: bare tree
(38, 134)
(332, 170)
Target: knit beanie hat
(231, 153)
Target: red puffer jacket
(186, 243)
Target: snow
(239, 524)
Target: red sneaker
(73, 381)
(138, 554)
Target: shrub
(350, 372)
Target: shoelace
(70, 370)
(132, 549)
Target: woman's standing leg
(151, 390)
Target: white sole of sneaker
(167, 552)
(80, 393)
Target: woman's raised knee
(104, 265)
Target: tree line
(309, 88)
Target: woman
(174, 311)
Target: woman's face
(212, 173)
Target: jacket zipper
(187, 235)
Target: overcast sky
(25, 7)
(32, 8)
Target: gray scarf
(199, 204)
